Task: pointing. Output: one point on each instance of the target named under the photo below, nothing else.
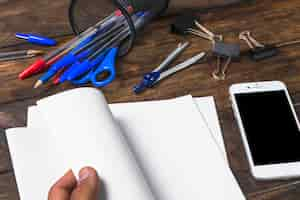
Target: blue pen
(64, 76)
(36, 39)
(66, 60)
(80, 68)
(70, 58)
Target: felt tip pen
(36, 39)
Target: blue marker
(37, 39)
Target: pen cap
(36, 67)
(36, 39)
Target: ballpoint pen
(83, 50)
(61, 63)
(14, 55)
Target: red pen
(38, 66)
(57, 76)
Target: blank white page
(208, 111)
(78, 131)
(35, 161)
(177, 151)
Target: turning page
(76, 129)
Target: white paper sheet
(178, 155)
(80, 128)
(35, 162)
(207, 108)
(176, 150)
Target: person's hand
(68, 188)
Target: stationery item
(50, 58)
(102, 38)
(66, 60)
(183, 24)
(207, 109)
(101, 61)
(203, 32)
(144, 151)
(78, 69)
(15, 55)
(107, 66)
(57, 76)
(228, 51)
(152, 78)
(39, 66)
(220, 49)
(36, 39)
(81, 67)
(88, 50)
(259, 51)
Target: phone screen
(270, 126)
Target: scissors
(106, 66)
(102, 61)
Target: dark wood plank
(153, 46)
(45, 17)
(270, 21)
(8, 187)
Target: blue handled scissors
(107, 66)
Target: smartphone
(269, 128)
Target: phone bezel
(283, 170)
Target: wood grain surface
(269, 20)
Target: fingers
(88, 187)
(63, 188)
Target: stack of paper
(168, 150)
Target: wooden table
(269, 20)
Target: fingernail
(84, 174)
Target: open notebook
(161, 150)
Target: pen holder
(85, 13)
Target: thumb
(88, 187)
(62, 189)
